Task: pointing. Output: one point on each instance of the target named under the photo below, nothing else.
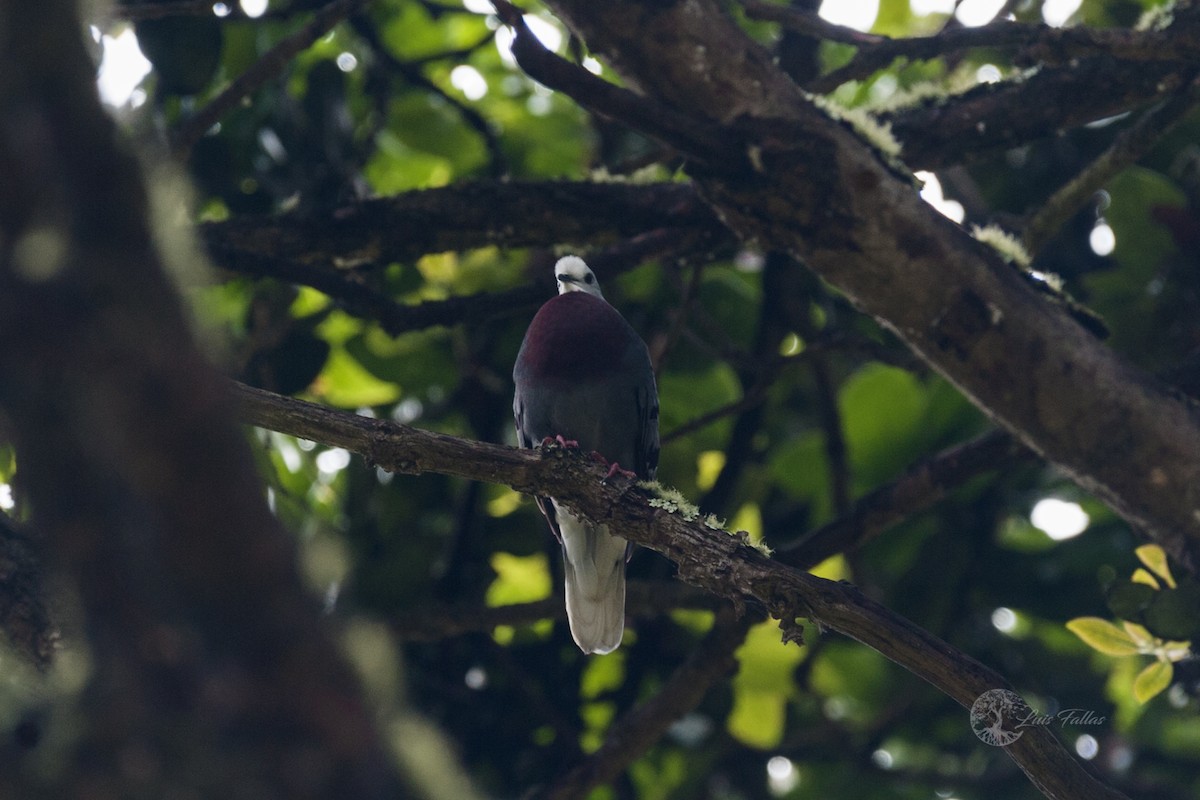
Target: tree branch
(23, 613)
(1038, 43)
(400, 229)
(723, 564)
(637, 731)
(998, 116)
(820, 193)
(210, 664)
(1130, 145)
(919, 488)
(354, 292)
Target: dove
(583, 376)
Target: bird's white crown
(573, 275)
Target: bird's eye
(589, 278)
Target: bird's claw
(614, 469)
(567, 444)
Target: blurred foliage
(416, 94)
(1160, 616)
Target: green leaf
(763, 686)
(519, 579)
(1155, 558)
(1143, 577)
(882, 409)
(801, 469)
(1102, 635)
(1152, 680)
(347, 384)
(1128, 599)
(757, 718)
(8, 462)
(1175, 613)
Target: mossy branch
(714, 560)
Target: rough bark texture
(211, 672)
(724, 564)
(825, 196)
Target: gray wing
(646, 444)
(525, 439)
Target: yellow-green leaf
(1142, 576)
(757, 718)
(519, 579)
(1152, 680)
(1153, 557)
(1102, 635)
(1139, 634)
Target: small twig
(197, 8)
(809, 24)
(752, 398)
(919, 488)
(271, 64)
(1040, 43)
(411, 72)
(1009, 114)
(1130, 145)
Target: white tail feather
(594, 565)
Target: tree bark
(722, 563)
(211, 673)
(817, 190)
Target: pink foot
(615, 469)
(559, 440)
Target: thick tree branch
(820, 193)
(354, 291)
(723, 564)
(375, 233)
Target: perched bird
(583, 375)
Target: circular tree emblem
(996, 716)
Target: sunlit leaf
(1137, 632)
(602, 674)
(1142, 576)
(1152, 680)
(345, 383)
(519, 579)
(1102, 635)
(1155, 558)
(762, 686)
(757, 718)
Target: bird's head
(575, 276)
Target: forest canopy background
(922, 302)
